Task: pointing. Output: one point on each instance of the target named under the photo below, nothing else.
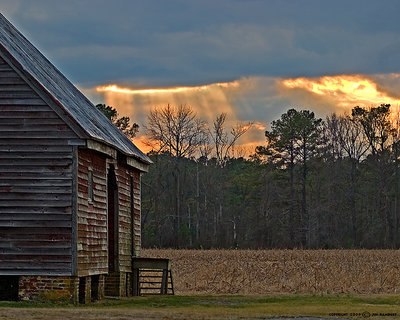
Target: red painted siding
(126, 176)
(92, 215)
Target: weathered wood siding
(35, 182)
(137, 230)
(128, 181)
(92, 215)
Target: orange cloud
(256, 99)
(345, 91)
(116, 88)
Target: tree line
(316, 183)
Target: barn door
(112, 194)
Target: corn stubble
(282, 271)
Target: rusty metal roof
(31, 61)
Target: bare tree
(224, 142)
(377, 126)
(176, 130)
(346, 137)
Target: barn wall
(136, 176)
(35, 182)
(128, 181)
(92, 215)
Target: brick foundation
(61, 289)
(47, 288)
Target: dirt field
(283, 271)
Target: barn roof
(66, 95)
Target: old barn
(69, 185)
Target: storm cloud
(272, 55)
(193, 42)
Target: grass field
(283, 271)
(213, 307)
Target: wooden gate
(152, 276)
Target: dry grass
(283, 271)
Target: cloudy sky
(253, 59)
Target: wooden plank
(36, 203)
(74, 217)
(29, 94)
(36, 237)
(29, 109)
(32, 169)
(16, 101)
(41, 257)
(4, 66)
(37, 134)
(151, 263)
(11, 81)
(137, 164)
(56, 182)
(39, 251)
(10, 73)
(36, 175)
(34, 217)
(24, 162)
(37, 155)
(16, 197)
(28, 115)
(102, 148)
(22, 121)
(17, 265)
(16, 209)
(33, 128)
(39, 189)
(84, 229)
(20, 244)
(37, 141)
(35, 223)
(14, 87)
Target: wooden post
(164, 282)
(135, 282)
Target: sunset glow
(207, 100)
(116, 88)
(259, 100)
(346, 91)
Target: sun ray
(116, 88)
